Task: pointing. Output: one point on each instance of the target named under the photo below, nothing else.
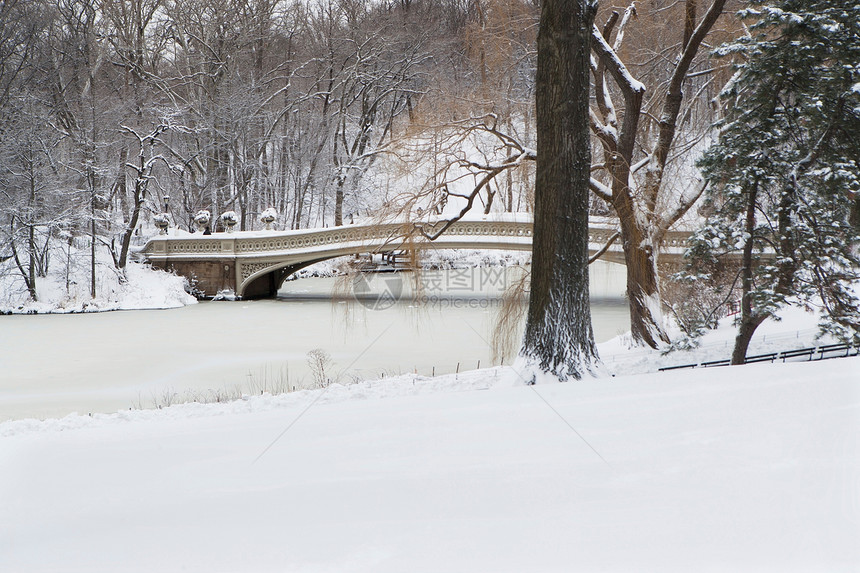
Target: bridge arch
(266, 282)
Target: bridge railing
(253, 262)
(515, 234)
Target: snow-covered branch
(616, 67)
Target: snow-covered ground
(795, 329)
(145, 288)
(752, 468)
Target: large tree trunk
(643, 294)
(642, 287)
(558, 337)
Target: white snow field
(751, 468)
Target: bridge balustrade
(255, 263)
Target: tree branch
(684, 205)
(600, 190)
(625, 80)
(605, 247)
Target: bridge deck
(255, 263)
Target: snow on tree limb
(616, 67)
(600, 190)
(619, 38)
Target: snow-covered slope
(145, 288)
(753, 468)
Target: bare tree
(22, 153)
(378, 83)
(143, 168)
(644, 215)
(76, 72)
(319, 362)
(20, 34)
(34, 207)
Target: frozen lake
(51, 365)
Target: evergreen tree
(784, 177)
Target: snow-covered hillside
(66, 288)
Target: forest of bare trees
(114, 111)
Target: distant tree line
(112, 111)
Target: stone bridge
(254, 264)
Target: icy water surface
(51, 365)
